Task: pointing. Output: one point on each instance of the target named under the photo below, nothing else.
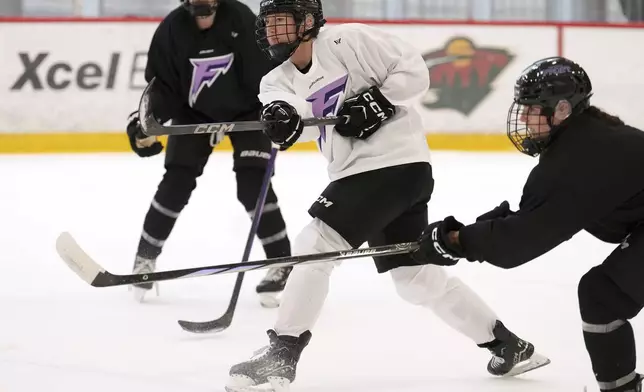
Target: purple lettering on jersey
(205, 71)
(324, 102)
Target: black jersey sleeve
(587, 189)
(161, 67)
(512, 241)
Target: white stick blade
(76, 259)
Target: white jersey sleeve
(274, 88)
(392, 64)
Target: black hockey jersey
(590, 178)
(211, 75)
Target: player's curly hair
(599, 114)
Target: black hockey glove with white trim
(367, 111)
(500, 211)
(284, 125)
(142, 144)
(435, 247)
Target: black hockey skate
(271, 368)
(639, 385)
(272, 285)
(512, 355)
(143, 266)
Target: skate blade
(139, 293)
(243, 384)
(535, 362)
(269, 299)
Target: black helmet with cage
(200, 8)
(546, 84)
(299, 9)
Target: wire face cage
(528, 128)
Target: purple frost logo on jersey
(324, 102)
(206, 71)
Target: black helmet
(299, 9)
(544, 84)
(200, 9)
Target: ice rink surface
(59, 334)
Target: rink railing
(68, 84)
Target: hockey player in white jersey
(381, 181)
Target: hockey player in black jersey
(590, 176)
(207, 66)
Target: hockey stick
(94, 274)
(224, 321)
(151, 126)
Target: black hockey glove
(284, 125)
(143, 145)
(501, 211)
(435, 247)
(367, 111)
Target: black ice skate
(639, 385)
(272, 285)
(272, 368)
(512, 355)
(143, 266)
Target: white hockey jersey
(347, 60)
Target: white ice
(59, 334)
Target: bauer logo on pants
(255, 154)
(461, 74)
